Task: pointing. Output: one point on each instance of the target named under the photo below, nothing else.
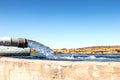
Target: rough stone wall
(22, 69)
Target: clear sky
(62, 23)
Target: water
(82, 57)
(44, 50)
(45, 53)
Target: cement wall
(22, 69)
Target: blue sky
(62, 23)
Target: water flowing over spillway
(45, 53)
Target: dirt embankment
(91, 50)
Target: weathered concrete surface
(22, 69)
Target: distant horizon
(62, 23)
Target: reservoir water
(76, 57)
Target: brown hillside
(91, 50)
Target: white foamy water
(44, 51)
(39, 47)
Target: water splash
(43, 50)
(39, 47)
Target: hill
(91, 50)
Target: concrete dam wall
(25, 69)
